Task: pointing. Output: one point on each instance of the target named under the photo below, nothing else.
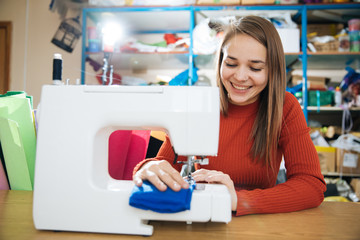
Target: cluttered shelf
(331, 108)
(164, 60)
(336, 174)
(194, 18)
(175, 52)
(286, 54)
(334, 53)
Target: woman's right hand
(161, 174)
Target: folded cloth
(148, 197)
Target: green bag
(18, 139)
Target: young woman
(260, 124)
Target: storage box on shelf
(290, 38)
(327, 158)
(347, 162)
(355, 184)
(314, 82)
(321, 98)
(255, 2)
(335, 161)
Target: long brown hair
(267, 125)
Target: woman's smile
(240, 87)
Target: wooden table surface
(331, 220)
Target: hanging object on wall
(67, 34)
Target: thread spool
(57, 69)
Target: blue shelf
(186, 24)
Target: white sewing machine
(73, 189)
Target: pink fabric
(126, 149)
(4, 185)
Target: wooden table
(331, 220)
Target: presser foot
(191, 181)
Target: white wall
(15, 11)
(31, 61)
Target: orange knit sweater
(254, 183)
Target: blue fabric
(148, 197)
(182, 78)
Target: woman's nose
(241, 75)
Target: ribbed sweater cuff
(245, 204)
(140, 164)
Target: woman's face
(244, 70)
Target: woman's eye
(230, 65)
(255, 69)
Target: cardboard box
(218, 2)
(324, 29)
(314, 82)
(327, 157)
(347, 162)
(355, 184)
(254, 2)
(290, 38)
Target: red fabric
(171, 38)
(126, 149)
(255, 184)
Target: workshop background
(31, 31)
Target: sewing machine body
(73, 190)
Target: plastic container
(344, 41)
(354, 24)
(337, 97)
(94, 45)
(299, 97)
(92, 33)
(354, 41)
(320, 98)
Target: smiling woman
(260, 124)
(258, 63)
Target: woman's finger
(155, 180)
(161, 174)
(212, 176)
(170, 177)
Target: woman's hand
(212, 176)
(161, 174)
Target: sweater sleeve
(305, 186)
(166, 152)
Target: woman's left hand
(212, 176)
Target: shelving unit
(158, 20)
(143, 20)
(335, 174)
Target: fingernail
(163, 186)
(176, 186)
(185, 185)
